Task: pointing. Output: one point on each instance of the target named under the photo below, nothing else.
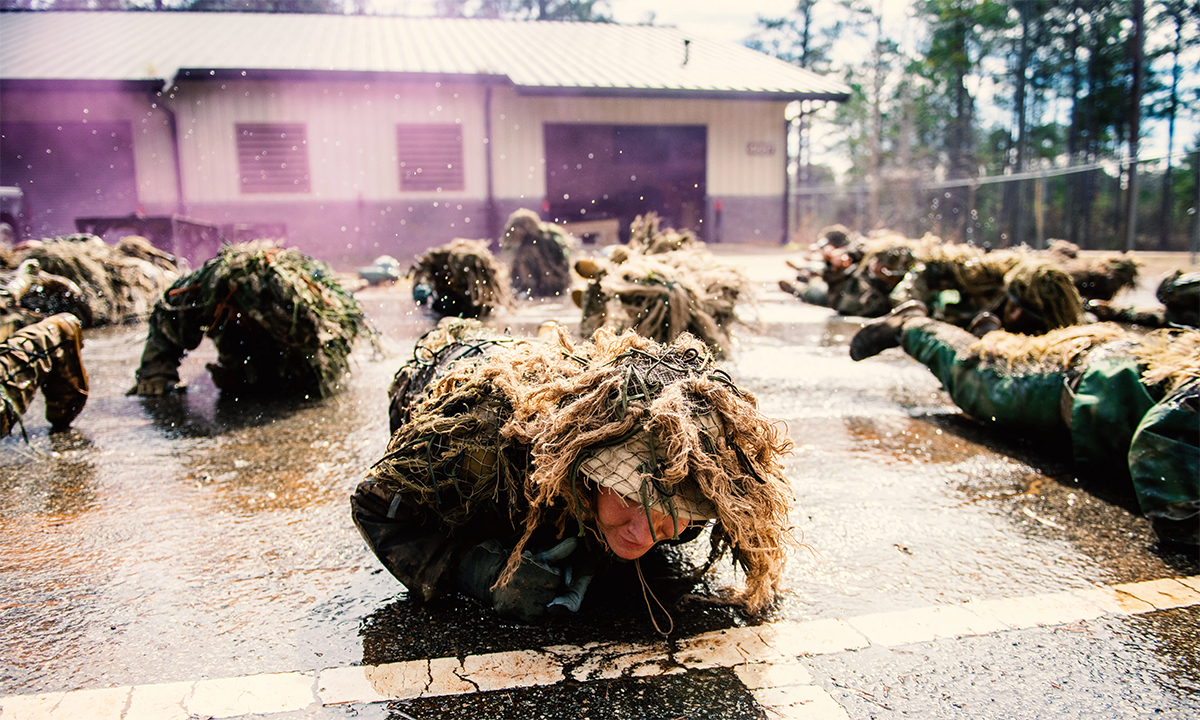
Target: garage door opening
(599, 172)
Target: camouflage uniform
(43, 355)
(1115, 421)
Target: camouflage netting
(119, 283)
(665, 294)
(452, 340)
(1097, 277)
(518, 423)
(460, 278)
(291, 297)
(541, 255)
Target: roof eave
(201, 74)
(680, 93)
(59, 84)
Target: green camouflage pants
(44, 355)
(1115, 423)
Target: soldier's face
(625, 527)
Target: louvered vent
(431, 157)
(273, 157)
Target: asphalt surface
(200, 544)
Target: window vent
(431, 157)
(273, 158)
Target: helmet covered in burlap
(630, 469)
(1045, 292)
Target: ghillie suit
(494, 477)
(119, 284)
(664, 295)
(646, 238)
(541, 255)
(452, 340)
(956, 282)
(460, 279)
(1128, 404)
(1098, 277)
(1039, 297)
(279, 320)
(44, 355)
(886, 258)
(30, 294)
(1179, 293)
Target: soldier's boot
(65, 386)
(884, 332)
(44, 355)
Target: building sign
(760, 147)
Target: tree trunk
(1166, 206)
(1135, 120)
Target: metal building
(356, 136)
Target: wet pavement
(168, 542)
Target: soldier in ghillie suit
(460, 279)
(1098, 277)
(662, 295)
(1179, 293)
(44, 355)
(998, 290)
(30, 294)
(841, 250)
(885, 260)
(118, 283)
(541, 255)
(525, 470)
(956, 281)
(646, 236)
(1128, 404)
(279, 319)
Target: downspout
(787, 179)
(173, 126)
(492, 220)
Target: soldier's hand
(156, 386)
(535, 584)
(568, 603)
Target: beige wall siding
(352, 136)
(732, 126)
(351, 131)
(153, 156)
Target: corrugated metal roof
(536, 57)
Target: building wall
(351, 129)
(355, 209)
